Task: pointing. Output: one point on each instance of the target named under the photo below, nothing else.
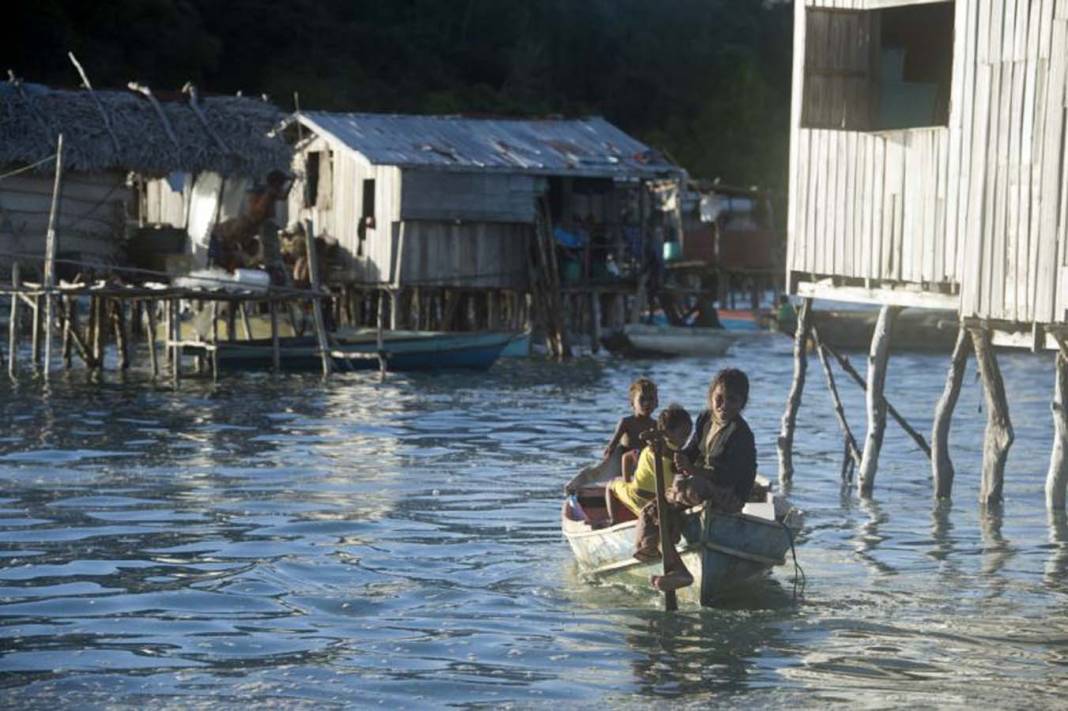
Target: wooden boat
(720, 550)
(358, 349)
(914, 329)
(639, 340)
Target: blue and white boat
(720, 550)
(358, 349)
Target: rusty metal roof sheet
(589, 147)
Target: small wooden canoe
(639, 340)
(720, 550)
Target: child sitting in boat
(626, 442)
(639, 493)
(716, 468)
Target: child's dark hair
(733, 381)
(642, 386)
(673, 416)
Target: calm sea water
(289, 543)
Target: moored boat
(639, 340)
(720, 550)
(358, 349)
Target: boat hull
(417, 352)
(649, 341)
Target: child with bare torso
(625, 441)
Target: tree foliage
(707, 81)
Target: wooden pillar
(878, 357)
(276, 359)
(379, 336)
(852, 451)
(595, 322)
(215, 341)
(98, 332)
(35, 341)
(150, 332)
(13, 323)
(941, 464)
(1057, 476)
(493, 311)
(793, 402)
(231, 321)
(50, 260)
(999, 435)
(317, 305)
(69, 309)
(243, 308)
(174, 337)
(119, 323)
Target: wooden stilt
(35, 342)
(13, 323)
(150, 333)
(118, 315)
(493, 311)
(793, 402)
(999, 434)
(243, 308)
(317, 306)
(69, 307)
(98, 332)
(595, 322)
(941, 463)
(276, 358)
(168, 329)
(50, 260)
(878, 357)
(215, 341)
(853, 454)
(1057, 476)
(231, 321)
(380, 340)
(175, 339)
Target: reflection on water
(360, 543)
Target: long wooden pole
(317, 305)
(878, 358)
(13, 322)
(50, 258)
(853, 453)
(797, 387)
(999, 434)
(150, 332)
(669, 555)
(941, 463)
(890, 409)
(276, 358)
(1057, 476)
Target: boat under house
(458, 220)
(928, 168)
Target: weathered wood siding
(479, 197)
(469, 254)
(980, 205)
(90, 222)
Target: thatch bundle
(32, 116)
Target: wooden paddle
(655, 439)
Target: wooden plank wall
(471, 254)
(873, 206)
(90, 221)
(1015, 220)
(838, 82)
(983, 203)
(163, 206)
(484, 197)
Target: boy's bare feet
(671, 581)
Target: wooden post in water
(1057, 476)
(35, 341)
(379, 339)
(853, 455)
(174, 337)
(595, 322)
(67, 346)
(276, 356)
(50, 259)
(215, 340)
(668, 553)
(150, 332)
(878, 357)
(98, 332)
(13, 323)
(941, 463)
(797, 386)
(317, 304)
(118, 315)
(999, 434)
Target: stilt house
(450, 201)
(928, 167)
(119, 149)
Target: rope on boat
(799, 572)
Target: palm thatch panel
(32, 116)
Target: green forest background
(706, 81)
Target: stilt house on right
(928, 163)
(928, 168)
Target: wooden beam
(999, 434)
(13, 323)
(824, 289)
(96, 100)
(194, 104)
(50, 258)
(941, 464)
(797, 386)
(147, 93)
(317, 304)
(878, 357)
(853, 454)
(1057, 476)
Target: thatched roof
(32, 115)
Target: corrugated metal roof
(589, 147)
